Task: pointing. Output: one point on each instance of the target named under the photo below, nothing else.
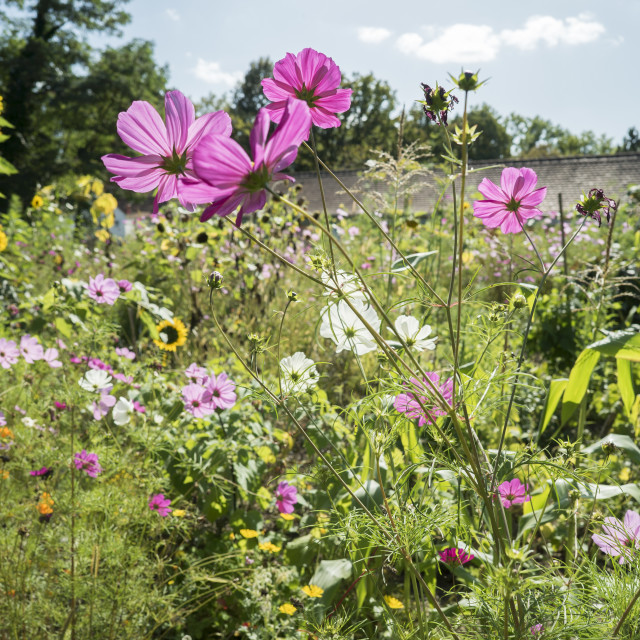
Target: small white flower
(342, 325)
(350, 285)
(122, 411)
(415, 337)
(299, 373)
(95, 380)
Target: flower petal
(292, 130)
(180, 115)
(221, 161)
(337, 103)
(218, 123)
(142, 129)
(508, 181)
(491, 191)
(287, 72)
(277, 91)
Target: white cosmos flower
(299, 373)
(350, 285)
(95, 380)
(122, 411)
(415, 337)
(342, 325)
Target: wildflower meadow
(246, 418)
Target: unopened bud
(609, 447)
(215, 280)
(468, 81)
(292, 295)
(519, 301)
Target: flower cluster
(207, 392)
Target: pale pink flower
(313, 78)
(620, 538)
(222, 390)
(286, 497)
(9, 353)
(197, 400)
(167, 148)
(101, 406)
(196, 372)
(509, 205)
(421, 392)
(103, 290)
(124, 352)
(513, 492)
(50, 357)
(30, 349)
(160, 504)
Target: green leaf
(63, 327)
(556, 389)
(606, 491)
(49, 299)
(623, 344)
(625, 384)
(622, 442)
(370, 495)
(578, 382)
(330, 575)
(149, 323)
(6, 167)
(414, 259)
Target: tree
(62, 96)
(631, 142)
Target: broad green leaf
(330, 575)
(369, 494)
(622, 442)
(578, 382)
(625, 384)
(623, 344)
(49, 299)
(413, 259)
(556, 389)
(6, 167)
(63, 327)
(606, 491)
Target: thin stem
(627, 611)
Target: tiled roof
(566, 176)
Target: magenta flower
(455, 557)
(138, 407)
(286, 497)
(222, 390)
(509, 205)
(50, 356)
(310, 77)
(30, 349)
(241, 182)
(513, 492)
(409, 404)
(9, 353)
(167, 150)
(160, 504)
(88, 462)
(103, 290)
(45, 472)
(620, 538)
(124, 286)
(124, 352)
(537, 629)
(61, 406)
(197, 400)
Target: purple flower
(620, 538)
(87, 462)
(30, 349)
(160, 504)
(101, 407)
(195, 372)
(197, 400)
(593, 203)
(509, 205)
(45, 472)
(3, 420)
(9, 353)
(286, 497)
(167, 160)
(513, 492)
(124, 286)
(537, 629)
(138, 407)
(50, 357)
(222, 390)
(310, 77)
(103, 290)
(61, 406)
(124, 352)
(408, 402)
(455, 557)
(240, 181)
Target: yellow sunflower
(173, 334)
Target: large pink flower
(513, 492)
(312, 77)
(103, 290)
(286, 497)
(620, 538)
(167, 162)
(222, 391)
(509, 205)
(240, 182)
(410, 402)
(9, 353)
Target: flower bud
(215, 280)
(292, 296)
(595, 202)
(609, 447)
(467, 81)
(519, 301)
(437, 101)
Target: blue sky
(574, 63)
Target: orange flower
(45, 505)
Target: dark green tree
(631, 142)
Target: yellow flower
(313, 591)
(3, 241)
(104, 204)
(287, 516)
(269, 546)
(625, 474)
(173, 334)
(249, 533)
(287, 608)
(4, 474)
(179, 513)
(393, 603)
(37, 202)
(102, 235)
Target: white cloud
(373, 35)
(211, 73)
(552, 32)
(468, 43)
(457, 43)
(172, 15)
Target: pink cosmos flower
(123, 378)
(537, 629)
(222, 390)
(455, 557)
(513, 492)
(124, 286)
(313, 78)
(195, 372)
(138, 407)
(61, 406)
(101, 407)
(30, 349)
(167, 149)
(509, 205)
(50, 357)
(3, 420)
(409, 404)
(160, 504)
(197, 400)
(240, 181)
(286, 497)
(620, 538)
(88, 462)
(103, 290)
(43, 471)
(124, 352)
(9, 353)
